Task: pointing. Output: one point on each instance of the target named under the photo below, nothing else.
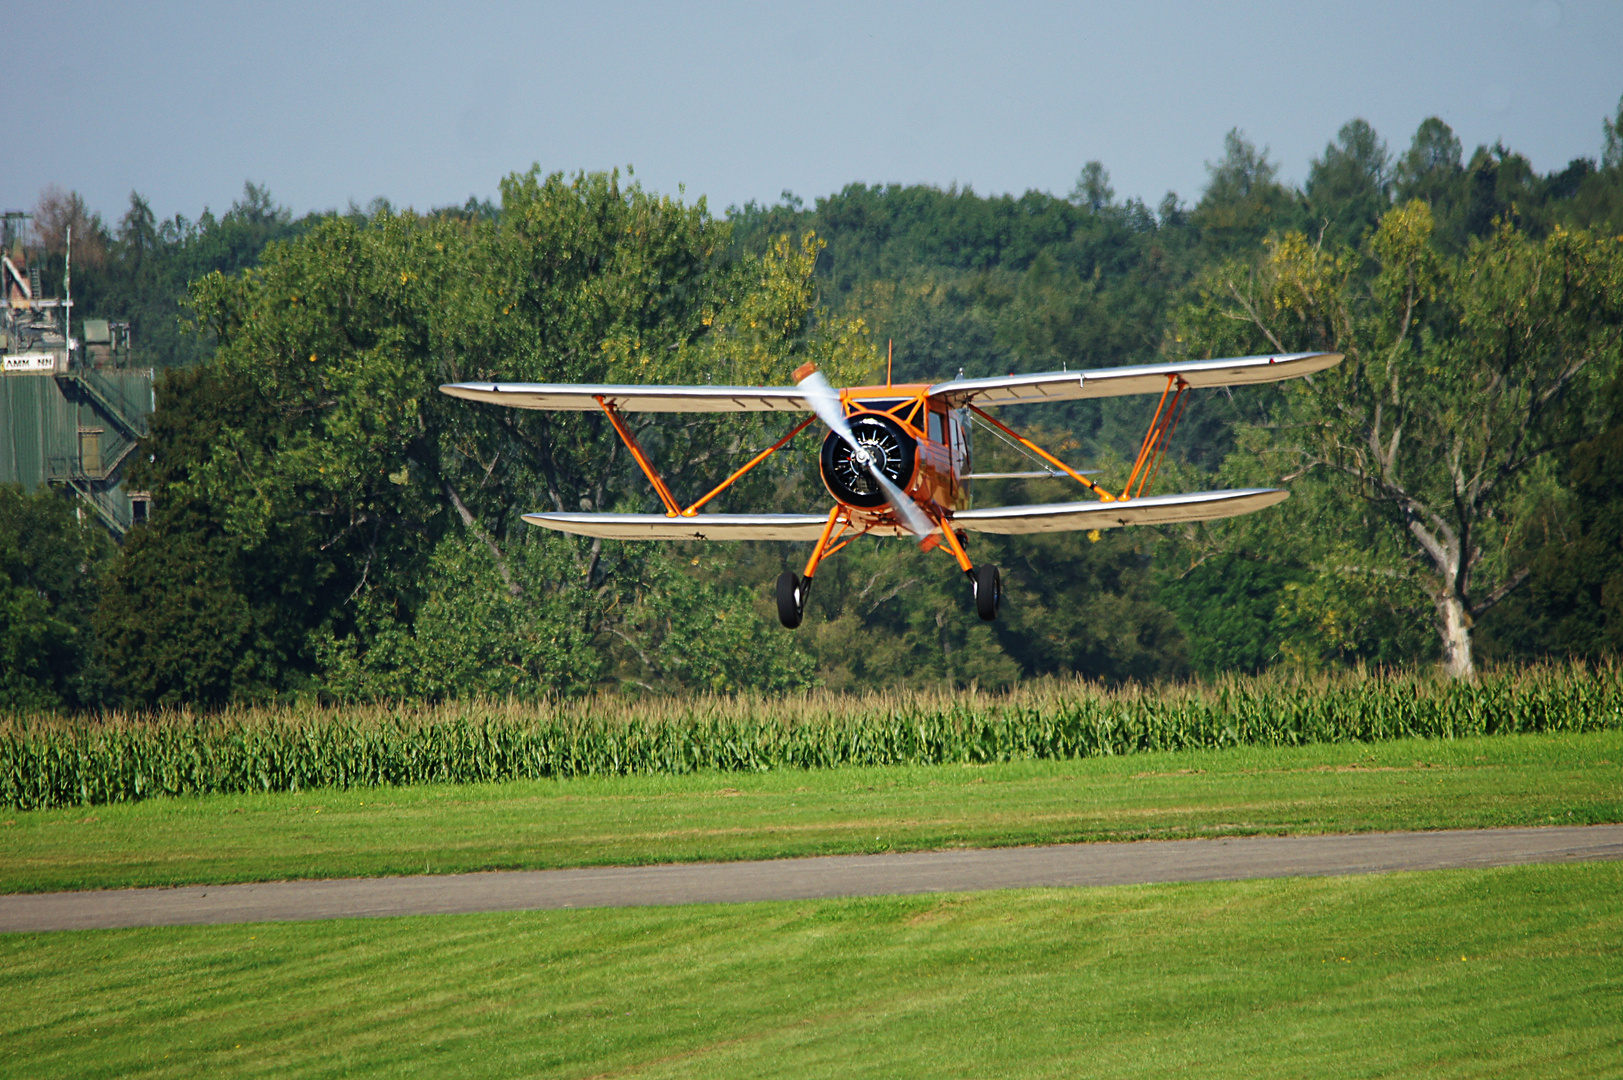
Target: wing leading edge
(583, 397)
(1151, 510)
(1001, 390)
(1137, 379)
(697, 527)
(1002, 520)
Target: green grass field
(1403, 784)
(1513, 972)
(1510, 972)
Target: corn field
(55, 761)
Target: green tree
(1226, 608)
(1461, 377)
(1500, 185)
(1611, 156)
(1572, 604)
(50, 565)
(191, 613)
(1432, 164)
(1087, 607)
(1244, 200)
(1092, 188)
(694, 632)
(1596, 199)
(1433, 171)
(1349, 188)
(150, 266)
(474, 633)
(323, 509)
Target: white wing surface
(1004, 520)
(697, 527)
(583, 397)
(1153, 510)
(1001, 390)
(1139, 379)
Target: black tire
(987, 585)
(791, 599)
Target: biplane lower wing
(1152, 510)
(1004, 520)
(697, 527)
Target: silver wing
(1004, 520)
(1151, 510)
(697, 527)
(1140, 379)
(583, 397)
(1002, 390)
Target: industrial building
(73, 410)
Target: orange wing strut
(672, 507)
(836, 516)
(665, 496)
(1162, 425)
(1104, 495)
(756, 460)
(957, 549)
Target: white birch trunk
(1454, 625)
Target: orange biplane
(896, 459)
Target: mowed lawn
(1513, 972)
(1403, 785)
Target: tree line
(326, 524)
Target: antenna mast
(67, 298)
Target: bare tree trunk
(1454, 626)
(1445, 549)
(513, 587)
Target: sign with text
(28, 363)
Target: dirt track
(1068, 865)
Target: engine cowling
(889, 444)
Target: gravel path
(1068, 865)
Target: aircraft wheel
(791, 599)
(987, 585)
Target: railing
(130, 418)
(105, 508)
(110, 467)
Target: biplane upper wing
(697, 527)
(1151, 510)
(1137, 379)
(1000, 390)
(585, 397)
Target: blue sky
(427, 104)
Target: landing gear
(987, 586)
(792, 591)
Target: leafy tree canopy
(1462, 376)
(327, 523)
(50, 568)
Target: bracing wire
(1021, 450)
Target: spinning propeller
(825, 401)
